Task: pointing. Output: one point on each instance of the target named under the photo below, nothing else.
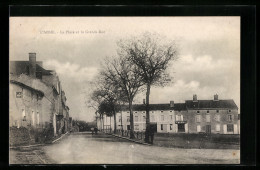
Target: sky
(208, 61)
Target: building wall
(24, 111)
(221, 122)
(167, 121)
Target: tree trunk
(102, 122)
(96, 120)
(110, 125)
(147, 108)
(114, 122)
(131, 120)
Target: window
(207, 111)
(143, 112)
(161, 111)
(197, 118)
(135, 112)
(230, 128)
(170, 117)
(218, 118)
(144, 118)
(238, 116)
(170, 126)
(162, 117)
(198, 128)
(207, 118)
(136, 118)
(179, 118)
(217, 127)
(128, 119)
(198, 111)
(127, 112)
(23, 113)
(144, 126)
(170, 111)
(217, 111)
(136, 127)
(152, 117)
(38, 118)
(230, 118)
(119, 118)
(161, 126)
(33, 120)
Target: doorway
(208, 128)
(181, 127)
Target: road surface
(83, 148)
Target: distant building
(193, 116)
(36, 97)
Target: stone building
(192, 116)
(35, 96)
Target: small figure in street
(92, 131)
(96, 129)
(151, 133)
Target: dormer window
(198, 111)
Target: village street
(83, 148)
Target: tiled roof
(28, 87)
(189, 104)
(44, 72)
(23, 64)
(141, 107)
(204, 104)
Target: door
(181, 127)
(208, 128)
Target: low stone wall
(19, 136)
(28, 136)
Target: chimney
(195, 98)
(171, 103)
(215, 97)
(32, 67)
(143, 101)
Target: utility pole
(121, 122)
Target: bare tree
(111, 97)
(151, 55)
(118, 72)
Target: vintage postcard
(124, 90)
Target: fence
(139, 135)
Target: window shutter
(181, 117)
(186, 127)
(235, 129)
(225, 129)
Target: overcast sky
(209, 53)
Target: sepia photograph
(124, 90)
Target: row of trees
(141, 62)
